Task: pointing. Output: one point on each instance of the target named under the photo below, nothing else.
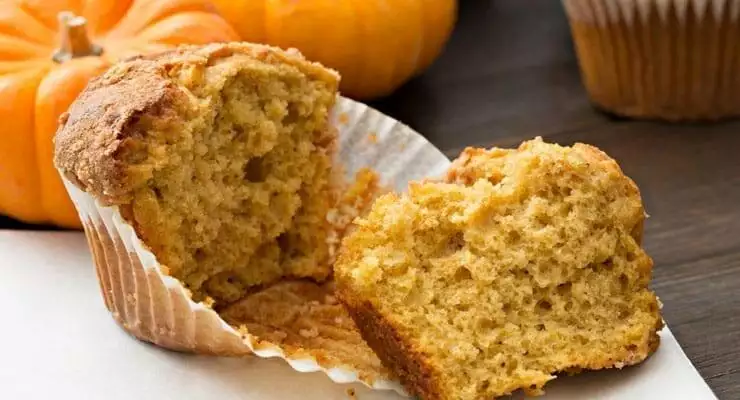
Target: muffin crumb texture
(218, 156)
(523, 264)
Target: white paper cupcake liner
(158, 308)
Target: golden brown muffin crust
(399, 355)
(99, 124)
(523, 264)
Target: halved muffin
(523, 264)
(219, 157)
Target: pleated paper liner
(298, 321)
(666, 59)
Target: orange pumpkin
(47, 56)
(376, 45)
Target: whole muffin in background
(524, 264)
(676, 60)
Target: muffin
(667, 59)
(220, 157)
(202, 175)
(520, 265)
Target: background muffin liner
(667, 59)
(157, 308)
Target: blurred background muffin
(675, 60)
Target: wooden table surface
(509, 74)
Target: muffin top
(101, 129)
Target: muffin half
(523, 264)
(219, 157)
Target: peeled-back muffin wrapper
(158, 308)
(673, 59)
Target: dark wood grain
(510, 74)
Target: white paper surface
(60, 342)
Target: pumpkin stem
(74, 40)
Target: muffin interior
(236, 176)
(525, 264)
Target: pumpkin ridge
(195, 15)
(19, 66)
(13, 30)
(101, 33)
(33, 166)
(11, 45)
(156, 16)
(33, 14)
